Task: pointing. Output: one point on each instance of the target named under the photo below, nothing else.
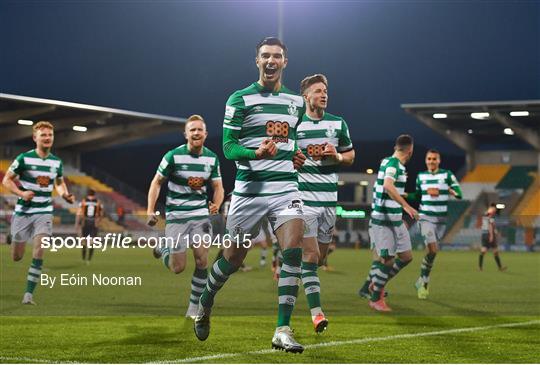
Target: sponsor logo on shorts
(206, 228)
(238, 230)
(295, 204)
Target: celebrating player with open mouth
(37, 170)
(259, 134)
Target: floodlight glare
(439, 116)
(480, 115)
(519, 113)
(508, 131)
(369, 171)
(364, 183)
(24, 122)
(500, 206)
(470, 131)
(80, 128)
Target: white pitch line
(27, 360)
(351, 342)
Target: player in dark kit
(489, 238)
(89, 216)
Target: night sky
(180, 58)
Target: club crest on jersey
(331, 131)
(184, 167)
(292, 109)
(207, 167)
(53, 169)
(258, 109)
(300, 134)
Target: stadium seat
(518, 177)
(486, 174)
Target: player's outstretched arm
(153, 194)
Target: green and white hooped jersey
(317, 179)
(188, 175)
(386, 211)
(434, 190)
(252, 115)
(38, 175)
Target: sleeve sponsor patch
(390, 172)
(229, 111)
(14, 166)
(163, 165)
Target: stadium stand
(501, 143)
(517, 177)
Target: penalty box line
(353, 342)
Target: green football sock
(312, 286)
(288, 284)
(221, 270)
(198, 282)
(34, 273)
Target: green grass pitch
(470, 316)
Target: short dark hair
(433, 150)
(310, 80)
(90, 192)
(404, 141)
(271, 41)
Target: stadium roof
(105, 127)
(470, 125)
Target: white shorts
(320, 222)
(182, 233)
(389, 240)
(432, 232)
(26, 227)
(246, 214)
